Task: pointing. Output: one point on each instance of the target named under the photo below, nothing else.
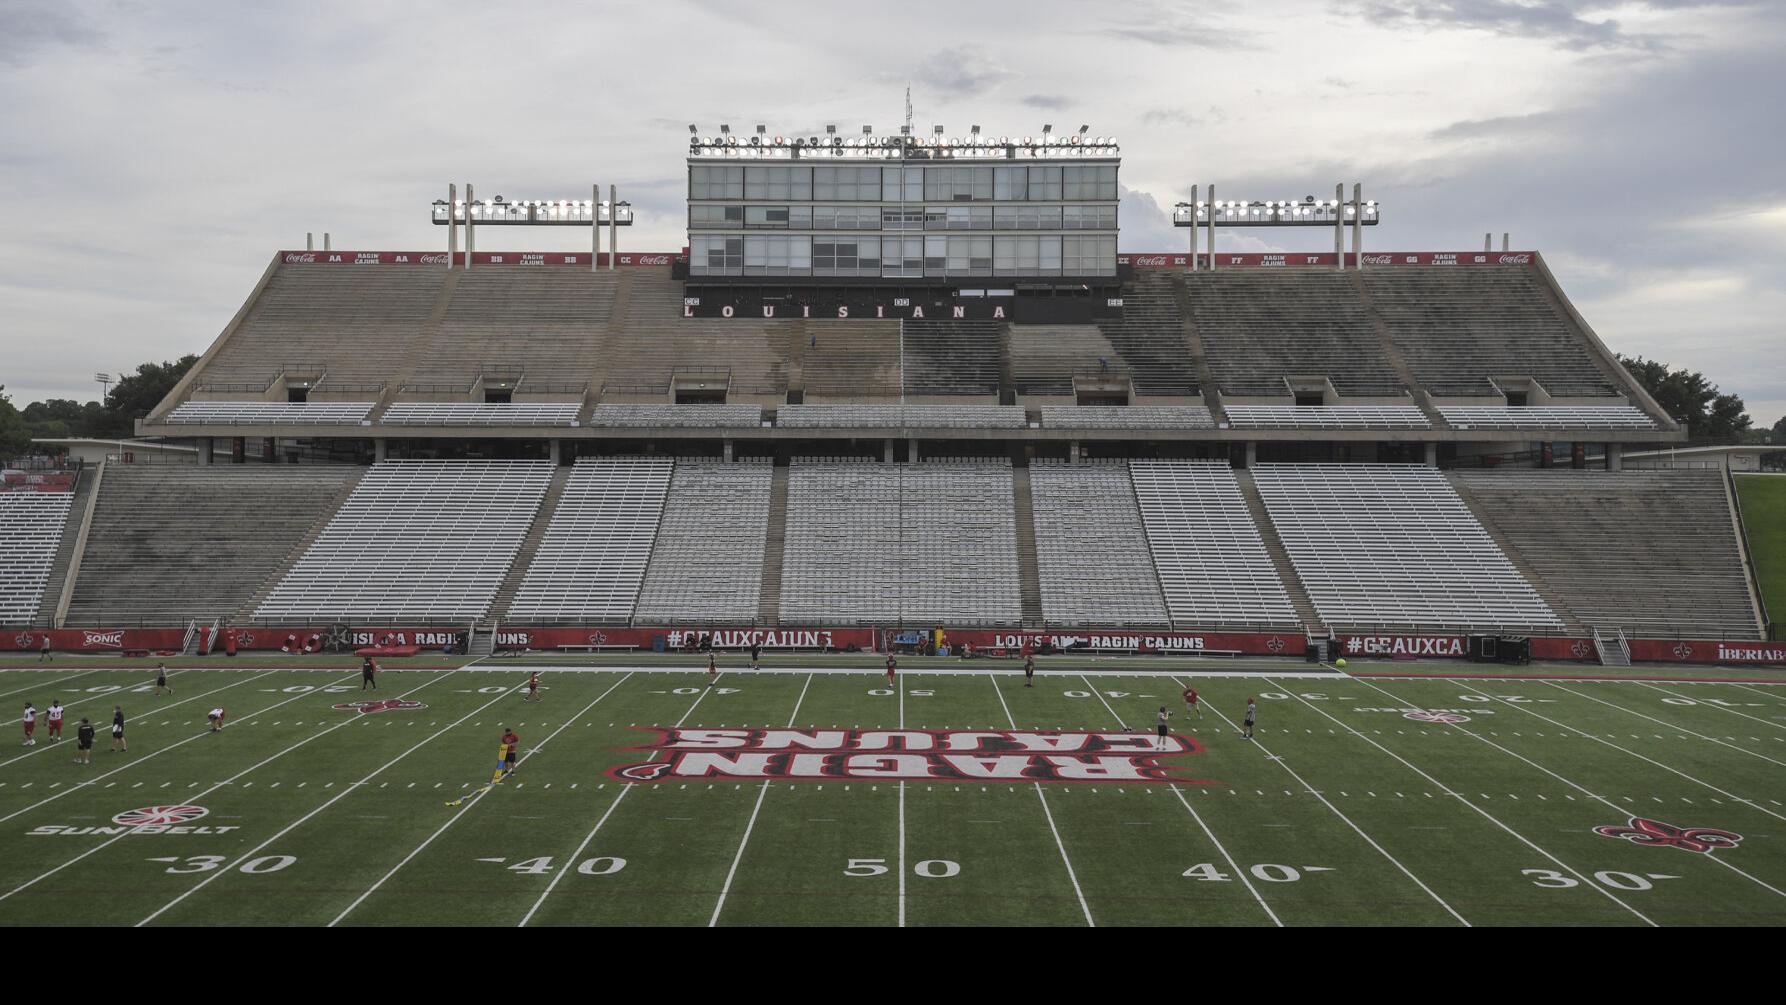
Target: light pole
(105, 386)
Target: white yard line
(343, 794)
(192, 799)
(1670, 725)
(455, 818)
(1255, 671)
(51, 686)
(726, 890)
(901, 680)
(99, 724)
(1238, 871)
(1491, 818)
(1713, 704)
(1348, 820)
(1058, 843)
(1623, 811)
(134, 761)
(593, 831)
(1747, 687)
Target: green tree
(1779, 430)
(133, 396)
(62, 418)
(15, 439)
(1710, 416)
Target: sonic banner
(890, 755)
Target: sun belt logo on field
(1448, 718)
(379, 705)
(159, 815)
(910, 755)
(1700, 840)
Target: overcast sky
(157, 155)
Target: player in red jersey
(892, 669)
(1190, 702)
(533, 687)
(511, 743)
(712, 671)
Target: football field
(818, 795)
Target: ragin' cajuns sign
(909, 755)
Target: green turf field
(1764, 522)
(1362, 801)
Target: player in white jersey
(1160, 726)
(216, 718)
(30, 721)
(54, 715)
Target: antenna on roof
(908, 109)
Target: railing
(1742, 526)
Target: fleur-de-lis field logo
(1700, 840)
(1447, 718)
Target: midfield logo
(1441, 717)
(1700, 840)
(894, 755)
(379, 705)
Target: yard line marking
(902, 812)
(1460, 797)
(1746, 687)
(101, 699)
(1238, 871)
(553, 885)
(51, 686)
(1282, 763)
(1670, 725)
(1620, 809)
(346, 790)
(1072, 876)
(136, 761)
(125, 834)
(1732, 711)
(473, 802)
(764, 791)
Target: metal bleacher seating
(1327, 417)
(933, 542)
(1458, 329)
(951, 357)
(1547, 417)
(675, 416)
(653, 340)
(547, 321)
(1045, 358)
(31, 528)
(170, 543)
(592, 560)
(419, 413)
(707, 563)
(1392, 545)
(851, 360)
(1149, 338)
(270, 413)
(416, 540)
(1651, 552)
(361, 323)
(1262, 326)
(1127, 417)
(1212, 565)
(899, 416)
(1091, 548)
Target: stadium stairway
(774, 547)
(421, 347)
(79, 510)
(536, 532)
(1029, 575)
(1392, 353)
(1280, 558)
(611, 334)
(1485, 516)
(1212, 392)
(245, 613)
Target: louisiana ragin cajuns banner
(1291, 259)
(536, 258)
(909, 755)
(1250, 643)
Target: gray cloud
(958, 72)
(1046, 102)
(28, 28)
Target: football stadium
(896, 552)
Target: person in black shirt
(83, 741)
(161, 683)
(1029, 671)
(367, 670)
(756, 654)
(118, 730)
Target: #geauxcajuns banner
(631, 258)
(1434, 646)
(676, 638)
(1290, 259)
(909, 755)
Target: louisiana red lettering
(910, 755)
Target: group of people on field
(85, 731)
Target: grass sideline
(1764, 522)
(1363, 801)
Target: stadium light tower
(1305, 212)
(592, 213)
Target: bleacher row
(653, 540)
(1139, 417)
(622, 336)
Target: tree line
(114, 418)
